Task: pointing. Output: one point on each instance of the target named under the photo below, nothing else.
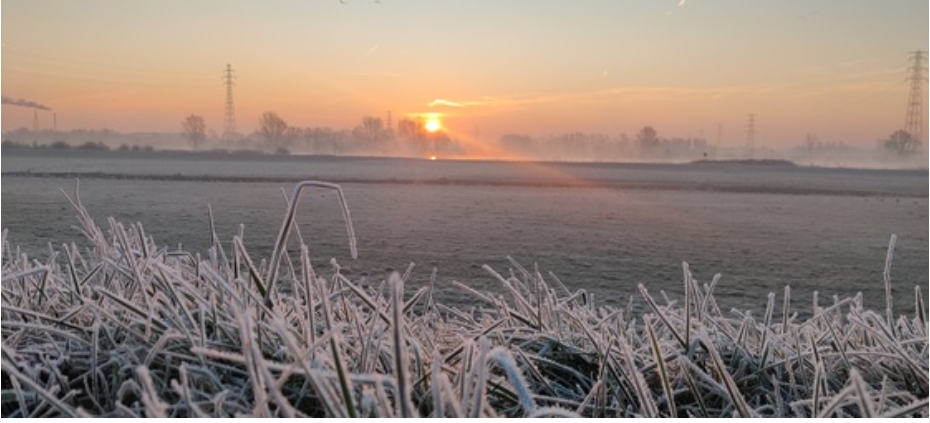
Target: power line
(914, 119)
(229, 117)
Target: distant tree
(14, 144)
(409, 129)
(90, 145)
(292, 134)
(902, 142)
(320, 140)
(273, 129)
(372, 127)
(411, 136)
(195, 130)
(372, 135)
(60, 145)
(647, 137)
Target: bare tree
(373, 127)
(274, 129)
(409, 129)
(902, 142)
(372, 135)
(647, 137)
(195, 130)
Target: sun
(432, 125)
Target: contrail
(24, 103)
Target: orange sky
(836, 69)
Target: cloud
(24, 103)
(443, 102)
(625, 94)
(482, 101)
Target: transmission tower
(751, 135)
(914, 120)
(229, 118)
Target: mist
(404, 140)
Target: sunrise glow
(432, 125)
(536, 70)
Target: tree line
(370, 137)
(408, 137)
(578, 146)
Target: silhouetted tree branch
(195, 130)
(273, 129)
(902, 142)
(647, 137)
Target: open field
(603, 228)
(124, 327)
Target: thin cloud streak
(713, 93)
(609, 92)
(468, 103)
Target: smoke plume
(24, 103)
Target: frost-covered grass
(126, 328)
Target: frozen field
(603, 228)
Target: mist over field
(608, 226)
(570, 147)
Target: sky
(836, 69)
